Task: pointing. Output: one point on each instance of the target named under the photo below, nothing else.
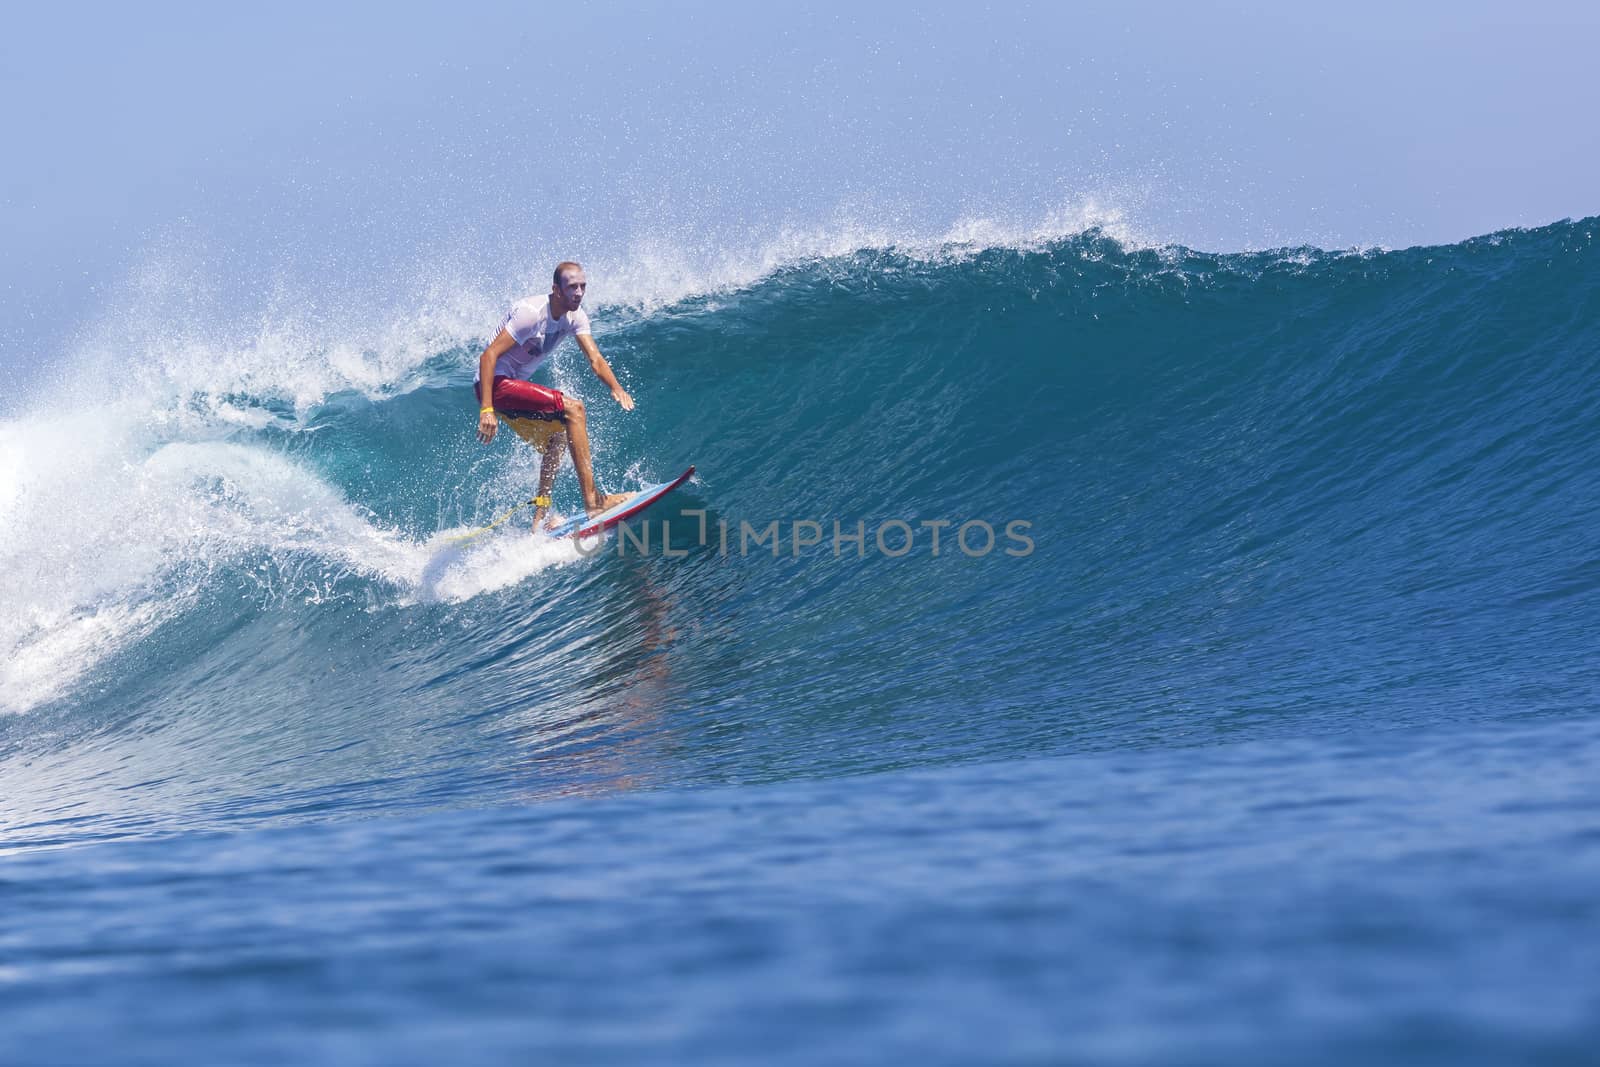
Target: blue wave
(1257, 490)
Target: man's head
(569, 284)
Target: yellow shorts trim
(537, 432)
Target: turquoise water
(1271, 737)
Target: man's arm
(498, 347)
(602, 370)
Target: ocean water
(1246, 711)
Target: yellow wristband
(489, 410)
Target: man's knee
(572, 407)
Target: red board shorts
(534, 412)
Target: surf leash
(538, 501)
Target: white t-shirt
(536, 334)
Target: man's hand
(602, 370)
(487, 426)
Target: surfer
(542, 416)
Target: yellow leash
(538, 501)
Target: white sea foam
(75, 562)
(106, 539)
(453, 571)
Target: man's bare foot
(553, 520)
(609, 501)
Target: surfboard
(584, 526)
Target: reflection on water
(620, 682)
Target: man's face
(573, 285)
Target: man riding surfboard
(542, 416)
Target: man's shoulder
(526, 315)
(532, 305)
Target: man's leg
(549, 463)
(578, 438)
(513, 398)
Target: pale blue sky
(316, 138)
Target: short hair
(565, 264)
